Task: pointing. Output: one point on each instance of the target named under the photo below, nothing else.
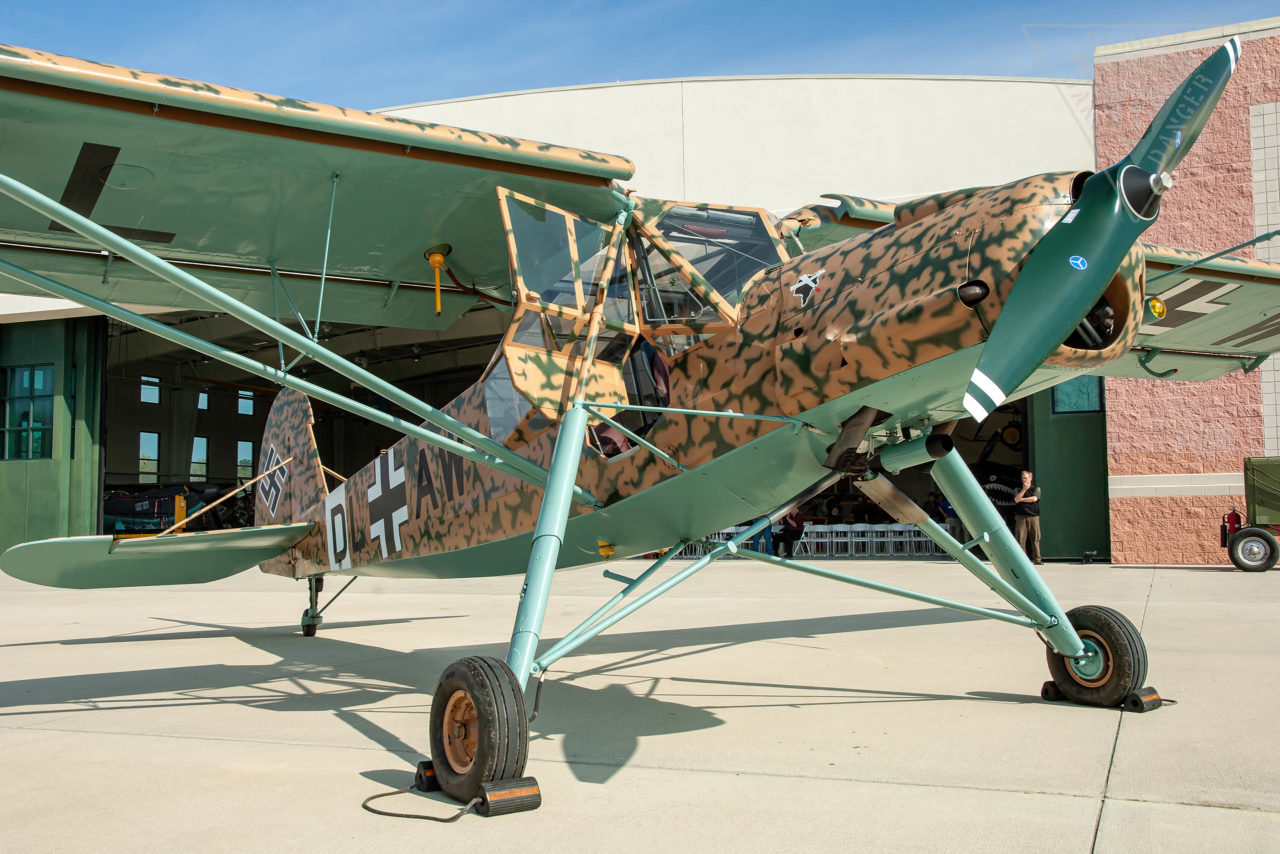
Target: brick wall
(1169, 428)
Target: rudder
(289, 493)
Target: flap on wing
(1221, 315)
(92, 562)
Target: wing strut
(157, 266)
(500, 463)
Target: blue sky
(389, 52)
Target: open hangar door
(180, 428)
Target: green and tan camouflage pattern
(294, 492)
(40, 66)
(818, 225)
(886, 305)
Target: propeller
(1069, 269)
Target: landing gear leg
(1096, 655)
(479, 725)
(311, 618)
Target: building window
(202, 400)
(148, 457)
(1079, 394)
(149, 390)
(244, 403)
(28, 412)
(244, 460)
(199, 458)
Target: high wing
(232, 183)
(1222, 315)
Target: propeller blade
(1174, 129)
(1069, 269)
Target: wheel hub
(1253, 550)
(461, 727)
(1094, 668)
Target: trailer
(1251, 541)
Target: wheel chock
(507, 796)
(1142, 700)
(1049, 691)
(424, 779)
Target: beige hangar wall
(780, 142)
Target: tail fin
(289, 493)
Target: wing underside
(234, 183)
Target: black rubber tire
(1253, 550)
(1125, 669)
(309, 630)
(503, 739)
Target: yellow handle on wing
(436, 259)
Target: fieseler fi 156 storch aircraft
(669, 369)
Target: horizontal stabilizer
(1221, 314)
(91, 562)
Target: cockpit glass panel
(617, 299)
(505, 406)
(542, 252)
(726, 247)
(593, 249)
(530, 332)
(666, 296)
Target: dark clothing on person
(950, 518)
(1026, 523)
(1028, 508)
(792, 531)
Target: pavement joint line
(1115, 742)
(1210, 806)
(901, 783)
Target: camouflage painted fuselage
(875, 320)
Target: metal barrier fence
(846, 542)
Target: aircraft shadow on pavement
(599, 727)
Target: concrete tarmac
(751, 709)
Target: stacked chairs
(816, 541)
(921, 545)
(842, 541)
(900, 540)
(860, 540)
(880, 541)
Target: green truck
(1251, 541)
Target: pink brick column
(1156, 427)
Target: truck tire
(1254, 550)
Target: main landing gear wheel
(1117, 666)
(479, 728)
(1253, 550)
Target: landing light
(1156, 308)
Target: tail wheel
(479, 727)
(1115, 664)
(1254, 550)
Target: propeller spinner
(1068, 270)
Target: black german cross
(388, 503)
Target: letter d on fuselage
(336, 529)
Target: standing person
(1026, 518)
(952, 520)
(933, 508)
(763, 537)
(792, 531)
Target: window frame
(27, 431)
